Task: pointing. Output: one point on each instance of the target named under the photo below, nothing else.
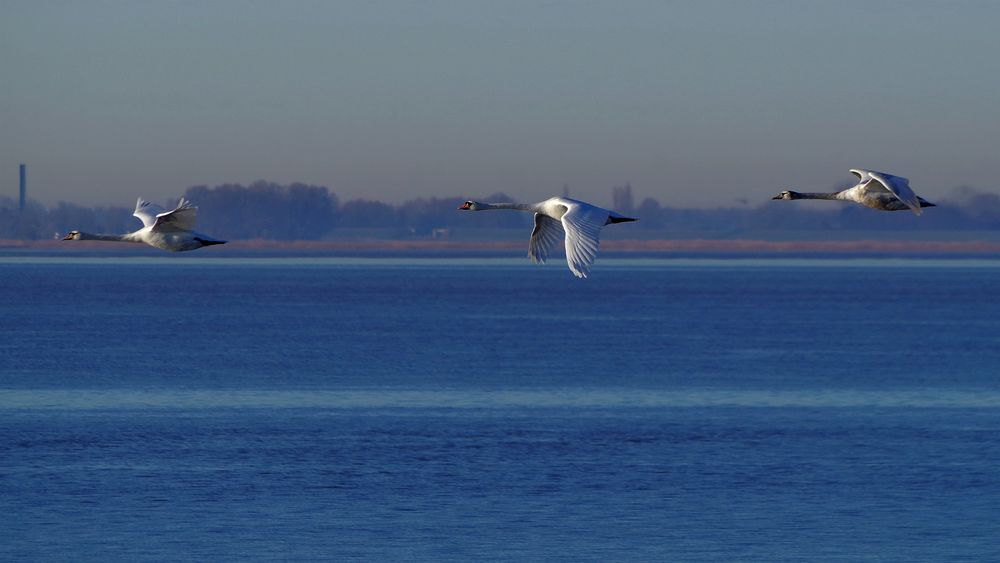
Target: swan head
(72, 235)
(471, 206)
(788, 194)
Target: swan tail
(612, 219)
(209, 242)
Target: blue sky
(698, 103)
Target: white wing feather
(583, 224)
(147, 212)
(545, 236)
(899, 187)
(181, 218)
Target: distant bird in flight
(877, 190)
(167, 230)
(561, 217)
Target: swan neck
(818, 195)
(518, 206)
(115, 238)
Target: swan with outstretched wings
(877, 190)
(168, 230)
(578, 224)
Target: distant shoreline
(452, 247)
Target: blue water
(450, 409)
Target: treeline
(265, 210)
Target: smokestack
(24, 185)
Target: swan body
(167, 230)
(560, 218)
(877, 190)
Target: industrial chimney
(24, 186)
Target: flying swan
(167, 230)
(556, 218)
(877, 190)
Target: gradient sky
(699, 103)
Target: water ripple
(594, 398)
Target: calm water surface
(202, 408)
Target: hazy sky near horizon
(699, 103)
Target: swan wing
(863, 175)
(897, 186)
(546, 234)
(181, 218)
(583, 224)
(147, 212)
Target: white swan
(877, 190)
(557, 218)
(167, 230)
